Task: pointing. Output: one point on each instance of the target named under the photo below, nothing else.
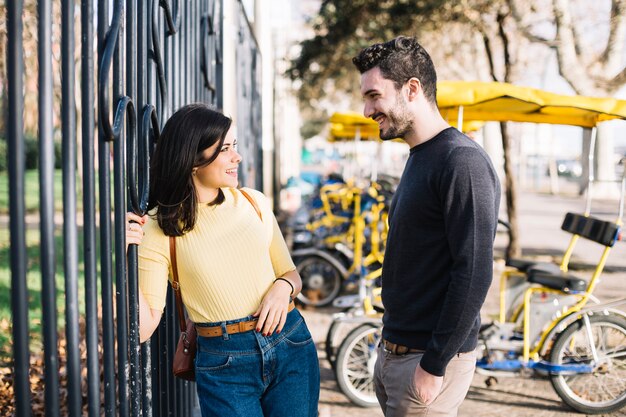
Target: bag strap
(176, 285)
(251, 200)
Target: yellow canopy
(492, 101)
(344, 126)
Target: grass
(34, 285)
(33, 275)
(31, 192)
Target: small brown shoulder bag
(183, 363)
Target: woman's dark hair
(399, 60)
(186, 135)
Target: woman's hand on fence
(134, 228)
(272, 312)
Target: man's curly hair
(399, 60)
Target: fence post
(17, 210)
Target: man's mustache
(376, 115)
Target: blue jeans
(247, 374)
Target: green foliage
(312, 127)
(342, 29)
(31, 148)
(31, 154)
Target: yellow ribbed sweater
(226, 263)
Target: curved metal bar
(105, 65)
(172, 24)
(139, 193)
(157, 58)
(124, 105)
(206, 30)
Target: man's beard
(399, 121)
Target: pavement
(540, 217)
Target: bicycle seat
(558, 281)
(523, 265)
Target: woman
(235, 274)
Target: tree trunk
(513, 250)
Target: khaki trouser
(395, 390)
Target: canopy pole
(592, 151)
(355, 162)
(374, 173)
(459, 122)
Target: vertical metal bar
(143, 31)
(159, 384)
(106, 281)
(218, 18)
(147, 409)
(180, 92)
(171, 335)
(153, 367)
(119, 192)
(168, 53)
(189, 33)
(119, 195)
(46, 198)
(70, 233)
(182, 65)
(89, 209)
(192, 53)
(130, 149)
(15, 126)
(176, 70)
(166, 386)
(200, 86)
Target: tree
(342, 28)
(31, 64)
(589, 41)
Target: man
(442, 221)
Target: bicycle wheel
(602, 390)
(321, 281)
(338, 330)
(355, 365)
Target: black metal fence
(151, 57)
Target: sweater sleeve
(281, 259)
(154, 263)
(469, 191)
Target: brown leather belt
(399, 349)
(239, 327)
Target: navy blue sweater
(439, 258)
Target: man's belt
(399, 349)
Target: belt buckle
(394, 348)
(389, 347)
